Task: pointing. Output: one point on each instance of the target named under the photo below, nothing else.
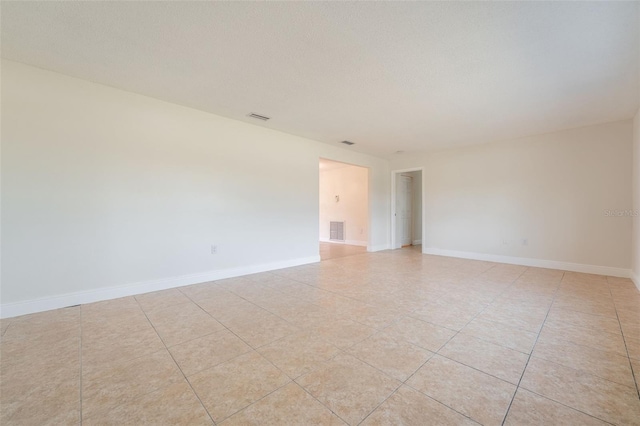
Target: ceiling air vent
(347, 142)
(259, 117)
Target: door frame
(369, 193)
(394, 175)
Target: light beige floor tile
(4, 324)
(265, 296)
(49, 403)
(344, 333)
(498, 361)
(117, 323)
(396, 357)
(453, 317)
(409, 407)
(174, 405)
(305, 315)
(44, 322)
(627, 307)
(631, 329)
(558, 317)
(118, 314)
(114, 386)
(475, 394)
(598, 397)
(563, 332)
(335, 251)
(299, 353)
(590, 305)
(183, 322)
(32, 373)
(161, 299)
(629, 314)
(100, 350)
(531, 409)
(349, 387)
(231, 386)
(400, 301)
(296, 316)
(606, 365)
(43, 329)
(38, 352)
(228, 307)
(513, 316)
(420, 333)
(208, 351)
(375, 317)
(289, 405)
(207, 290)
(635, 365)
(633, 346)
(261, 329)
(500, 334)
(305, 292)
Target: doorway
(344, 209)
(404, 214)
(407, 206)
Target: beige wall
(350, 184)
(636, 201)
(552, 190)
(107, 193)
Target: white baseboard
(9, 310)
(349, 242)
(417, 242)
(539, 263)
(378, 247)
(635, 277)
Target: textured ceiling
(400, 76)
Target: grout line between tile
(382, 402)
(506, 414)
(176, 363)
(259, 399)
(567, 406)
(624, 339)
(458, 279)
(471, 320)
(311, 395)
(442, 346)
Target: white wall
(107, 193)
(552, 190)
(636, 201)
(350, 184)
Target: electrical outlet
(525, 242)
(214, 249)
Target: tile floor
(336, 250)
(377, 339)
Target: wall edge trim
(14, 309)
(527, 261)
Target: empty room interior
(310, 213)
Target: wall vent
(336, 231)
(259, 117)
